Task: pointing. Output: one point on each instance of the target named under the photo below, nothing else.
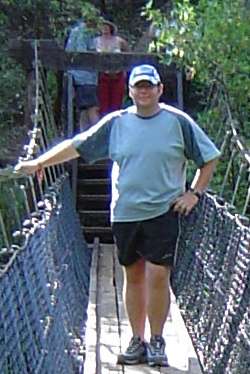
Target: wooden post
(70, 131)
(70, 124)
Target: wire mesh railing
(212, 275)
(211, 282)
(44, 278)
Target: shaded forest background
(207, 39)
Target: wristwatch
(195, 192)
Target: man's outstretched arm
(62, 152)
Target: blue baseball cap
(144, 73)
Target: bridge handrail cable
(29, 199)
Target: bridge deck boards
(108, 331)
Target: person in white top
(111, 85)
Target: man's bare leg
(135, 300)
(135, 296)
(158, 296)
(83, 120)
(88, 118)
(93, 115)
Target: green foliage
(173, 31)
(43, 18)
(11, 103)
(212, 38)
(12, 208)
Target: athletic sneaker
(136, 353)
(156, 351)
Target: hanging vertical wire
(16, 211)
(33, 193)
(44, 146)
(4, 231)
(229, 166)
(45, 140)
(219, 134)
(237, 185)
(247, 201)
(48, 112)
(49, 131)
(38, 114)
(26, 200)
(47, 102)
(226, 141)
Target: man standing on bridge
(149, 144)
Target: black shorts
(154, 239)
(86, 96)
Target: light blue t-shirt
(149, 158)
(81, 40)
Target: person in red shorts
(111, 85)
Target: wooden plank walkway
(108, 331)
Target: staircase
(93, 200)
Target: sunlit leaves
(213, 38)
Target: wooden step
(95, 186)
(93, 202)
(103, 233)
(94, 171)
(94, 217)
